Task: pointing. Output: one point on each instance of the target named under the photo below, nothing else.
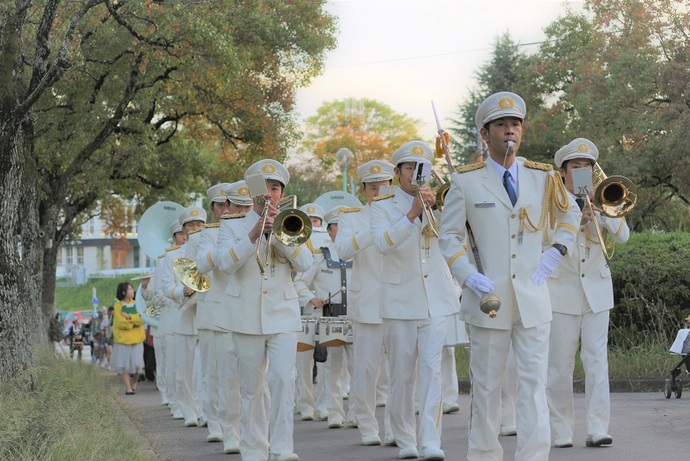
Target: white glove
(479, 283)
(547, 264)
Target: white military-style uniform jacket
(416, 282)
(181, 322)
(508, 253)
(259, 304)
(586, 270)
(355, 241)
(164, 315)
(217, 316)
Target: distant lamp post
(344, 157)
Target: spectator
(128, 336)
(107, 327)
(75, 336)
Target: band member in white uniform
(323, 279)
(304, 396)
(229, 201)
(170, 287)
(509, 223)
(154, 297)
(581, 297)
(418, 293)
(208, 394)
(354, 241)
(192, 220)
(264, 317)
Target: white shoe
(231, 450)
(564, 442)
(408, 453)
(288, 457)
(177, 415)
(508, 430)
(369, 440)
(212, 438)
(350, 423)
(433, 454)
(203, 422)
(307, 415)
(191, 423)
(451, 408)
(389, 441)
(599, 440)
(335, 423)
(380, 403)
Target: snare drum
(456, 335)
(334, 331)
(305, 338)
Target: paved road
(644, 427)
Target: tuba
(153, 235)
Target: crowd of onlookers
(96, 332)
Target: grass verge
(61, 410)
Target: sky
(406, 53)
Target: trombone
(616, 196)
(291, 227)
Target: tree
(369, 128)
(501, 73)
(134, 98)
(618, 74)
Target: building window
(80, 255)
(119, 258)
(70, 256)
(135, 255)
(92, 226)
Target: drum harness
(333, 309)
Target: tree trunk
(15, 313)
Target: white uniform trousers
(567, 330)
(382, 381)
(449, 377)
(185, 349)
(333, 372)
(410, 342)
(369, 371)
(200, 392)
(304, 396)
(210, 389)
(159, 352)
(487, 366)
(171, 366)
(223, 357)
(253, 353)
(509, 391)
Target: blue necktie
(509, 187)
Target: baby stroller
(681, 346)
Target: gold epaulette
(194, 231)
(211, 225)
(471, 167)
(349, 210)
(538, 165)
(232, 216)
(174, 247)
(383, 197)
(311, 248)
(161, 256)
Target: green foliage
(61, 410)
(651, 287)
(78, 297)
(501, 73)
(369, 128)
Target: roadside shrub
(651, 283)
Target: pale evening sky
(406, 53)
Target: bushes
(651, 283)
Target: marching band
(389, 288)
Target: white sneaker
(231, 450)
(433, 454)
(212, 438)
(369, 440)
(288, 457)
(408, 453)
(508, 430)
(564, 442)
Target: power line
(413, 58)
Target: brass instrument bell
(186, 271)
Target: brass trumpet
(187, 273)
(291, 227)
